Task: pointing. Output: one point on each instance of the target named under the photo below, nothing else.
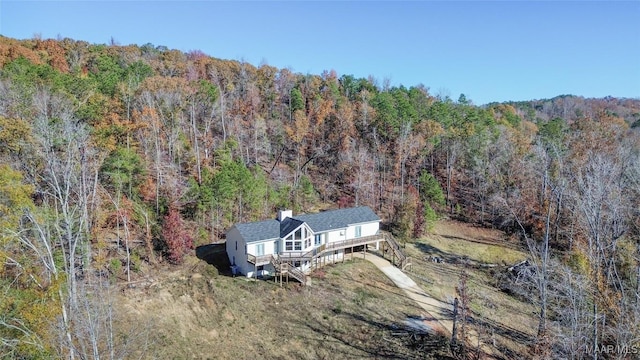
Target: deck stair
(403, 261)
(295, 273)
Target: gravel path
(438, 314)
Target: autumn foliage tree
(176, 235)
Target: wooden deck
(284, 263)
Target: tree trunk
(196, 147)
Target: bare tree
(363, 176)
(573, 320)
(548, 167)
(64, 143)
(87, 329)
(218, 79)
(99, 330)
(599, 197)
(453, 150)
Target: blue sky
(488, 50)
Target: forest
(117, 158)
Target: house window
(358, 231)
(292, 245)
(307, 242)
(298, 234)
(276, 247)
(318, 240)
(236, 245)
(259, 249)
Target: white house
(300, 239)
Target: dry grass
(488, 246)
(505, 324)
(351, 311)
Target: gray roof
(338, 219)
(288, 225)
(319, 222)
(259, 230)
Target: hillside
(573, 108)
(116, 162)
(351, 310)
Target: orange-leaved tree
(176, 235)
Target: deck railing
(403, 260)
(285, 262)
(363, 240)
(258, 260)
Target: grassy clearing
(478, 252)
(452, 239)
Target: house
(297, 244)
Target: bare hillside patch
(351, 311)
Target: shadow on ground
(385, 340)
(432, 251)
(216, 255)
(502, 329)
(485, 241)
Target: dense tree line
(114, 157)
